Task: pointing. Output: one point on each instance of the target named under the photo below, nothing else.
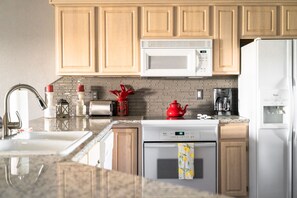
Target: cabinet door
(289, 21)
(119, 41)
(259, 21)
(233, 168)
(125, 150)
(75, 180)
(226, 40)
(193, 21)
(94, 155)
(75, 37)
(157, 21)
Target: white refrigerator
(267, 96)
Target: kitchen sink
(43, 143)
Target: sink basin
(43, 143)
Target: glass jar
(122, 108)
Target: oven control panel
(179, 135)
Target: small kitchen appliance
(102, 108)
(225, 101)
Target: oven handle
(173, 145)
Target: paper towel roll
(19, 102)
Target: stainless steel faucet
(7, 125)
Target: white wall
(27, 53)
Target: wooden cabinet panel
(76, 180)
(119, 41)
(234, 131)
(157, 21)
(233, 164)
(289, 21)
(259, 21)
(125, 150)
(75, 37)
(226, 40)
(193, 21)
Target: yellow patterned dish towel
(185, 160)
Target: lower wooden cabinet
(75, 180)
(233, 160)
(125, 148)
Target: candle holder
(62, 109)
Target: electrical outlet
(199, 94)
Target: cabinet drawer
(234, 131)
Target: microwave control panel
(203, 62)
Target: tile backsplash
(152, 95)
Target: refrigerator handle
(291, 108)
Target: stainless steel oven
(160, 151)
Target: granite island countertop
(57, 176)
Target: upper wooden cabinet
(190, 21)
(119, 41)
(226, 40)
(289, 21)
(259, 21)
(75, 39)
(193, 21)
(157, 21)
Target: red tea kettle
(175, 109)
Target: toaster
(102, 108)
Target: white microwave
(176, 57)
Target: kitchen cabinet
(193, 21)
(75, 180)
(119, 41)
(233, 159)
(157, 21)
(190, 21)
(259, 21)
(75, 40)
(226, 41)
(92, 157)
(125, 148)
(111, 183)
(288, 21)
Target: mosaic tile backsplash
(152, 95)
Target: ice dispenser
(274, 108)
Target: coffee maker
(225, 101)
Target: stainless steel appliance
(102, 108)
(160, 151)
(267, 96)
(225, 101)
(176, 57)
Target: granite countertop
(57, 176)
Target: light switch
(199, 94)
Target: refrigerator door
(294, 169)
(274, 140)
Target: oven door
(161, 162)
(168, 62)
